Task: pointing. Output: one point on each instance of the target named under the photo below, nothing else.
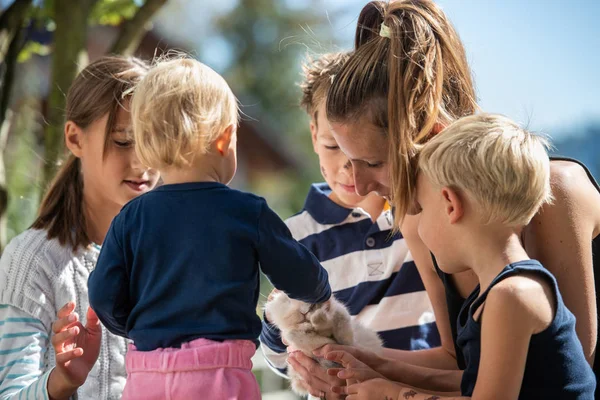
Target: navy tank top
(455, 301)
(555, 368)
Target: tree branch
(71, 18)
(133, 29)
(11, 21)
(8, 73)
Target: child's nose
(135, 161)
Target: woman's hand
(76, 347)
(315, 376)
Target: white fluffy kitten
(306, 327)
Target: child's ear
(453, 204)
(223, 142)
(74, 138)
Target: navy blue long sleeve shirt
(182, 262)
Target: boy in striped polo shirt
(370, 270)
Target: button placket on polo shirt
(373, 257)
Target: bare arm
(513, 312)
(442, 357)
(433, 369)
(560, 236)
(362, 366)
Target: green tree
(69, 20)
(266, 41)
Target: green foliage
(24, 154)
(112, 12)
(105, 12)
(33, 48)
(268, 40)
(23, 172)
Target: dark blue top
(556, 367)
(454, 300)
(374, 263)
(182, 262)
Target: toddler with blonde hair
(179, 269)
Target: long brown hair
(406, 78)
(97, 90)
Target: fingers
(66, 310)
(342, 357)
(352, 389)
(321, 351)
(65, 321)
(93, 323)
(66, 356)
(58, 340)
(346, 390)
(311, 372)
(334, 371)
(349, 374)
(341, 390)
(358, 374)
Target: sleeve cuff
(270, 336)
(39, 389)
(277, 362)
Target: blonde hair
(503, 167)
(178, 110)
(318, 73)
(98, 90)
(405, 82)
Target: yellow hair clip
(385, 31)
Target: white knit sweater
(39, 276)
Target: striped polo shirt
(370, 270)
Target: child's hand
(370, 358)
(374, 389)
(77, 348)
(354, 371)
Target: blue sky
(537, 61)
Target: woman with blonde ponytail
(407, 79)
(52, 345)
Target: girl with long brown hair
(47, 266)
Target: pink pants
(200, 369)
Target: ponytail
(406, 81)
(61, 211)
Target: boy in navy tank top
(480, 181)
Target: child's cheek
(323, 172)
